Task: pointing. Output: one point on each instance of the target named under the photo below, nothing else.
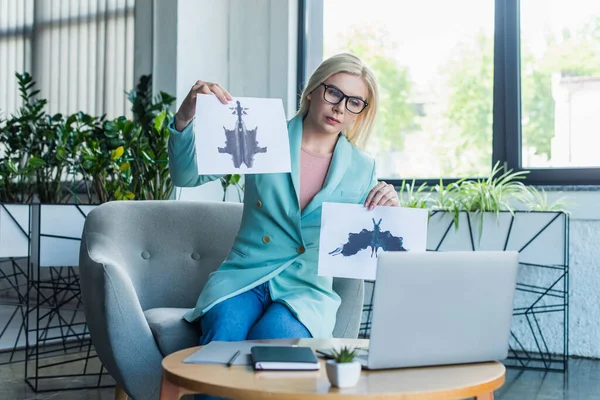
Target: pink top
(313, 171)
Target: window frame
(506, 131)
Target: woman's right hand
(187, 110)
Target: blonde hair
(359, 133)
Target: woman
(268, 285)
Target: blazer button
(259, 203)
(266, 239)
(300, 249)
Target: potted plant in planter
(502, 213)
(18, 168)
(146, 141)
(343, 370)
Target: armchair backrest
(167, 248)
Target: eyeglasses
(333, 95)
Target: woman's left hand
(383, 194)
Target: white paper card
(352, 237)
(217, 352)
(246, 136)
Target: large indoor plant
(81, 158)
(146, 139)
(58, 167)
(126, 159)
(501, 191)
(503, 213)
(32, 145)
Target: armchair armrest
(350, 312)
(118, 328)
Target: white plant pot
(343, 375)
(542, 240)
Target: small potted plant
(343, 371)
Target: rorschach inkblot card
(245, 136)
(349, 247)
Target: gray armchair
(143, 264)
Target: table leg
(485, 396)
(169, 391)
(120, 393)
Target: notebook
(217, 352)
(284, 358)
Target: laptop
(439, 308)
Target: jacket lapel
(295, 135)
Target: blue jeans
(249, 316)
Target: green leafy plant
(37, 150)
(126, 159)
(52, 158)
(101, 169)
(414, 199)
(501, 191)
(18, 139)
(537, 200)
(101, 162)
(229, 180)
(147, 138)
(13, 176)
(494, 193)
(447, 196)
(344, 355)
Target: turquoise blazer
(277, 242)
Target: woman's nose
(339, 107)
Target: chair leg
(120, 393)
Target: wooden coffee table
(242, 382)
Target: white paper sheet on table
(214, 118)
(221, 352)
(348, 228)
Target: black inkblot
(374, 239)
(241, 142)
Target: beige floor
(581, 382)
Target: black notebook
(284, 358)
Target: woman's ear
(308, 96)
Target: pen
(324, 354)
(230, 363)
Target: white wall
(584, 269)
(247, 46)
(202, 44)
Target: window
(80, 53)
(469, 83)
(435, 72)
(560, 83)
